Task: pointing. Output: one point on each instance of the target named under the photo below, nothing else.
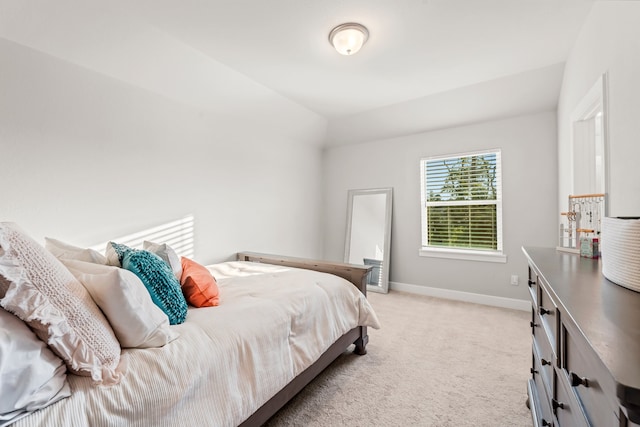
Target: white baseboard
(516, 304)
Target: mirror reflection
(589, 141)
(369, 234)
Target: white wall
(608, 42)
(528, 146)
(85, 158)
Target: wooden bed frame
(356, 274)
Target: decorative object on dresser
(581, 224)
(586, 344)
(621, 251)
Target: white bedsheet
(272, 323)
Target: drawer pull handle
(533, 371)
(546, 423)
(577, 380)
(557, 404)
(532, 282)
(533, 325)
(543, 311)
(545, 362)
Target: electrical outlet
(514, 279)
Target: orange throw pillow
(198, 285)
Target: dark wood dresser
(586, 344)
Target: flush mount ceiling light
(348, 38)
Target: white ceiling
(416, 49)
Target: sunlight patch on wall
(178, 234)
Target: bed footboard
(356, 274)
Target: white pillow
(63, 250)
(42, 292)
(167, 254)
(31, 376)
(123, 298)
(114, 253)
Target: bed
(281, 321)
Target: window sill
(468, 255)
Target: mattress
(272, 323)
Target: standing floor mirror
(368, 239)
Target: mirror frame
(388, 192)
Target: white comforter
(271, 324)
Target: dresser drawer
(542, 407)
(624, 420)
(543, 365)
(565, 405)
(533, 287)
(549, 317)
(591, 383)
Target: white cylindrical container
(620, 249)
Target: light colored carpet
(434, 363)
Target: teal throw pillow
(159, 280)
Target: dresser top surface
(607, 314)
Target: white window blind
(462, 201)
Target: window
(462, 206)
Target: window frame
(487, 255)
